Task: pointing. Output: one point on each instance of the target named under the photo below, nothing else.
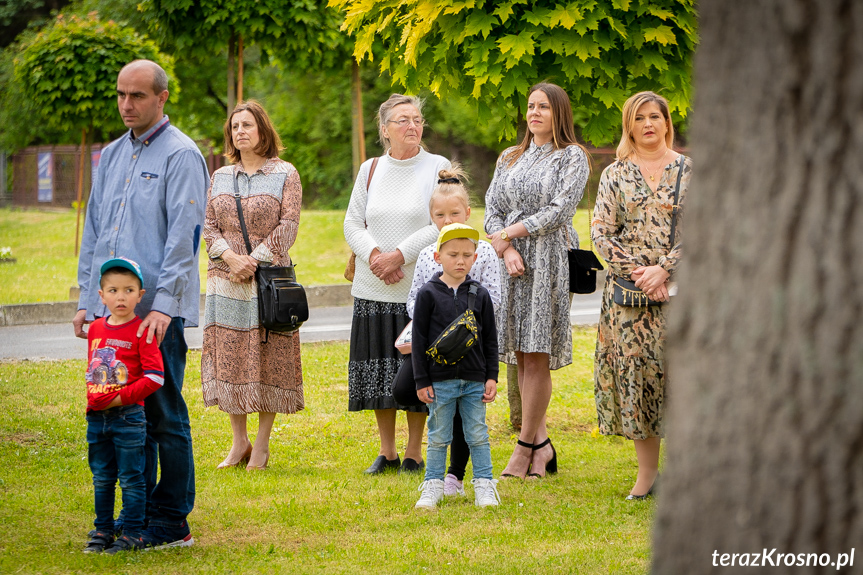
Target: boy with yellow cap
(471, 381)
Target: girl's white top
(485, 270)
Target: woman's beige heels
(257, 467)
(228, 464)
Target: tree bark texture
(232, 82)
(765, 418)
(358, 138)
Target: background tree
(600, 51)
(17, 15)
(298, 32)
(766, 346)
(68, 72)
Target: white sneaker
(452, 486)
(432, 494)
(485, 492)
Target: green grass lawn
(44, 244)
(313, 511)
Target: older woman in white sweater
(387, 225)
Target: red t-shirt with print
(121, 363)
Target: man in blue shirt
(147, 204)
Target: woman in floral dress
(631, 229)
(239, 372)
(529, 209)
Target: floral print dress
(631, 227)
(542, 190)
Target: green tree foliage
(300, 32)
(17, 15)
(68, 71)
(600, 51)
(311, 111)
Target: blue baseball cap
(124, 263)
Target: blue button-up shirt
(147, 204)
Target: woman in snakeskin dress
(631, 229)
(529, 209)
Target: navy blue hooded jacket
(436, 307)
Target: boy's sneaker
(485, 492)
(99, 541)
(125, 543)
(160, 537)
(432, 494)
(452, 486)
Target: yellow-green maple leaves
(601, 51)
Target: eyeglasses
(418, 122)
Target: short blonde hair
(449, 189)
(626, 147)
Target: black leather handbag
(583, 265)
(625, 293)
(282, 303)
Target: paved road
(57, 341)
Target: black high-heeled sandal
(551, 466)
(523, 444)
(650, 492)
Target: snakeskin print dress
(542, 190)
(631, 227)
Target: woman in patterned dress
(239, 372)
(529, 209)
(631, 229)
(387, 225)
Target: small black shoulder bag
(458, 337)
(282, 303)
(625, 292)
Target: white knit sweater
(396, 210)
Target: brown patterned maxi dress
(239, 373)
(631, 227)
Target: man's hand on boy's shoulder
(426, 394)
(156, 323)
(490, 391)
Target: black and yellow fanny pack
(459, 336)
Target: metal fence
(5, 196)
(47, 176)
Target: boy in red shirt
(123, 370)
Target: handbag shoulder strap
(371, 174)
(471, 295)
(676, 206)
(369, 183)
(240, 214)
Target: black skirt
(374, 360)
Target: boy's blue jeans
(468, 396)
(116, 439)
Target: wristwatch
(504, 236)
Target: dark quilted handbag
(282, 303)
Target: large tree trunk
(765, 421)
(232, 82)
(358, 129)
